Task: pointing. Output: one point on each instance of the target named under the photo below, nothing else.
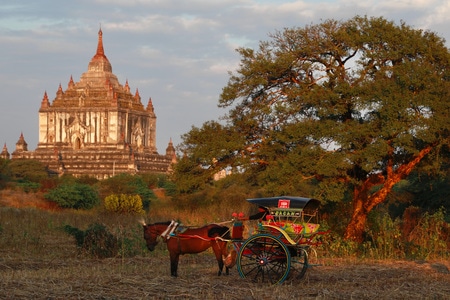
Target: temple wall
(96, 127)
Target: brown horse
(191, 240)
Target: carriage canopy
(307, 205)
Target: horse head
(151, 236)
(153, 231)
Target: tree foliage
(27, 170)
(5, 175)
(350, 105)
(210, 149)
(128, 185)
(427, 192)
(77, 196)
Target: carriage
(286, 232)
(278, 248)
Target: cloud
(178, 53)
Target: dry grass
(148, 278)
(39, 261)
(20, 199)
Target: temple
(97, 127)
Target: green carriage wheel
(299, 263)
(264, 258)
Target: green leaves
(27, 169)
(129, 185)
(77, 196)
(333, 103)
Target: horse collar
(169, 230)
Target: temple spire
(5, 153)
(21, 145)
(100, 50)
(150, 105)
(45, 103)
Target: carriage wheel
(264, 258)
(299, 263)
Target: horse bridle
(157, 233)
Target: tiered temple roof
(97, 127)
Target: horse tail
(221, 231)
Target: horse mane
(219, 230)
(162, 223)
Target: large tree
(353, 106)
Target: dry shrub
(209, 206)
(411, 218)
(429, 238)
(39, 261)
(96, 241)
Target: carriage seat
(305, 229)
(292, 221)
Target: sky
(177, 52)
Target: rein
(188, 236)
(169, 232)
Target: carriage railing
(295, 226)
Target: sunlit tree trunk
(364, 202)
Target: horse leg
(224, 247)
(219, 248)
(220, 262)
(225, 254)
(174, 257)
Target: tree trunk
(362, 205)
(355, 229)
(364, 202)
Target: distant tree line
(354, 113)
(84, 192)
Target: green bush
(5, 172)
(28, 186)
(129, 185)
(170, 188)
(124, 204)
(27, 170)
(77, 196)
(96, 241)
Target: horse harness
(169, 230)
(175, 229)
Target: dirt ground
(148, 278)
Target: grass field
(148, 278)
(38, 260)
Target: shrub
(77, 196)
(127, 184)
(28, 186)
(27, 169)
(170, 188)
(384, 236)
(429, 239)
(124, 204)
(96, 241)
